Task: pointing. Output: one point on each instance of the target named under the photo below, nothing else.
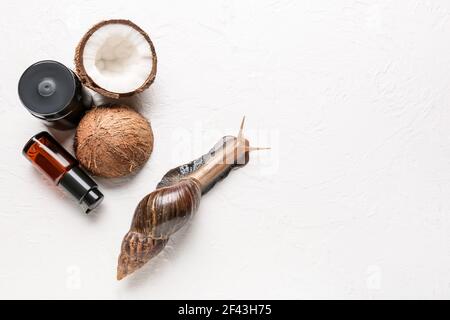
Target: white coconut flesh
(118, 58)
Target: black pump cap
(83, 188)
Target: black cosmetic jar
(53, 93)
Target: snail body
(176, 199)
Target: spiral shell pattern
(159, 215)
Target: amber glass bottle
(49, 157)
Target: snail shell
(157, 216)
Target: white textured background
(352, 202)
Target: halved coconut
(116, 58)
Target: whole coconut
(113, 141)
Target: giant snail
(176, 198)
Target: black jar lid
(47, 89)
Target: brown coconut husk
(88, 82)
(113, 141)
